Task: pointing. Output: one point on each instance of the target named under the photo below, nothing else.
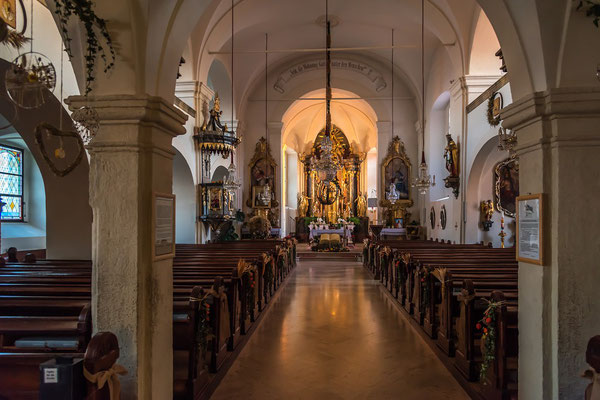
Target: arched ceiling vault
(293, 26)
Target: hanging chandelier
(328, 164)
(507, 140)
(423, 181)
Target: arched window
(11, 183)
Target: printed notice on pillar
(164, 225)
(529, 230)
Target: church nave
(333, 334)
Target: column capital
(118, 109)
(124, 117)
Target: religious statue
(346, 209)
(393, 194)
(361, 205)
(315, 211)
(302, 205)
(487, 212)
(451, 156)
(452, 162)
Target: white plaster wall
(185, 201)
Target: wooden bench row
(447, 289)
(45, 308)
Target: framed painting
(530, 229)
(8, 12)
(261, 198)
(506, 186)
(395, 176)
(215, 199)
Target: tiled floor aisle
(332, 334)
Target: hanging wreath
(93, 25)
(488, 339)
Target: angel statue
(302, 205)
(361, 205)
(451, 156)
(487, 213)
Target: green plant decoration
(84, 10)
(488, 325)
(592, 9)
(354, 220)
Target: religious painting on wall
(506, 186)
(261, 196)
(396, 180)
(396, 170)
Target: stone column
(132, 292)
(559, 148)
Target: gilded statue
(487, 213)
(451, 156)
(302, 205)
(361, 205)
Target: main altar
(338, 198)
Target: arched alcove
(481, 188)
(185, 201)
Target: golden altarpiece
(262, 189)
(395, 184)
(340, 197)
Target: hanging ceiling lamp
(327, 164)
(393, 195)
(423, 180)
(232, 184)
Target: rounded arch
(480, 187)
(68, 214)
(482, 61)
(304, 119)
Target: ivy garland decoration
(592, 9)
(205, 332)
(488, 325)
(84, 10)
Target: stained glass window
(11, 183)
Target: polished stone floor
(332, 334)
